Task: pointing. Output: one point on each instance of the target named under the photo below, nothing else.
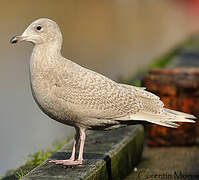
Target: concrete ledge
(107, 155)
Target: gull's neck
(47, 51)
(44, 57)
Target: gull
(79, 97)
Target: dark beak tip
(14, 40)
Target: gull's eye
(38, 28)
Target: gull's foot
(67, 162)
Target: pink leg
(81, 148)
(72, 158)
(76, 139)
(72, 161)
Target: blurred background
(113, 37)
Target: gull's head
(39, 32)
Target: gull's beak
(17, 39)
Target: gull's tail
(168, 118)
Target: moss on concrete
(163, 60)
(33, 160)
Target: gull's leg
(81, 150)
(72, 158)
(76, 139)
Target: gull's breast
(44, 81)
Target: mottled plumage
(79, 97)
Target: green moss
(164, 60)
(33, 160)
(137, 83)
(161, 61)
(20, 174)
(38, 157)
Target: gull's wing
(97, 96)
(90, 95)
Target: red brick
(178, 88)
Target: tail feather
(167, 118)
(166, 124)
(189, 116)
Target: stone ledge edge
(119, 163)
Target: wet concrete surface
(172, 162)
(168, 163)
